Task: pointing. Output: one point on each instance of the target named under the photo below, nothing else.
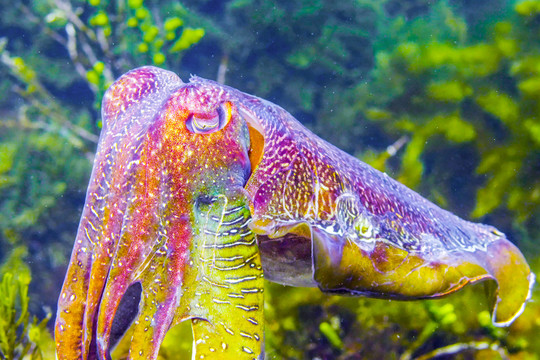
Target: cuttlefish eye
(208, 123)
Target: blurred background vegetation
(442, 95)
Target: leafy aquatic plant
(21, 336)
(451, 91)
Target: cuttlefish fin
(513, 283)
(225, 284)
(380, 269)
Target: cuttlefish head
(164, 147)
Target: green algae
(22, 336)
(488, 87)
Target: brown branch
(53, 111)
(74, 18)
(398, 144)
(71, 47)
(222, 70)
(39, 22)
(461, 347)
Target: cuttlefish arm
(226, 297)
(164, 228)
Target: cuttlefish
(199, 192)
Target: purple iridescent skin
(190, 178)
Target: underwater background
(442, 95)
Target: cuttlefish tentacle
(152, 248)
(113, 177)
